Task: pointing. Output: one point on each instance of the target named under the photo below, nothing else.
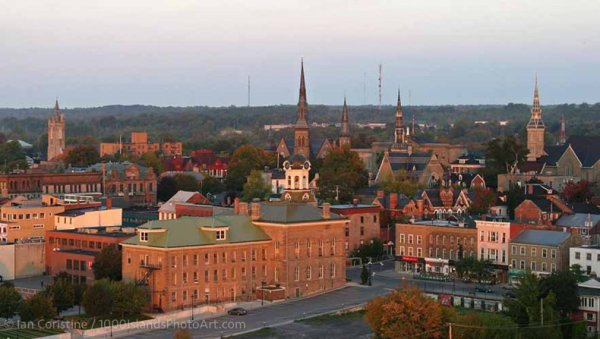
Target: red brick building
(363, 225)
(74, 251)
(286, 249)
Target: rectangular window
(522, 250)
(347, 231)
(544, 253)
(195, 260)
(82, 266)
(553, 254)
(419, 240)
(533, 252)
(588, 256)
(577, 255)
(401, 239)
(513, 250)
(76, 265)
(69, 264)
(143, 236)
(362, 231)
(220, 235)
(410, 238)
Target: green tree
(256, 187)
(166, 188)
(82, 156)
(505, 155)
(37, 307)
(128, 299)
(211, 185)
(107, 263)
(186, 182)
(400, 183)
(341, 175)
(12, 156)
(10, 300)
(152, 160)
(245, 159)
(577, 271)
(371, 250)
(62, 293)
(98, 299)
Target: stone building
(56, 133)
(139, 145)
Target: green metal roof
(187, 231)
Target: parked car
(237, 311)
(483, 289)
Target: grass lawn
(327, 318)
(85, 322)
(28, 332)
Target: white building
(586, 256)
(88, 217)
(589, 304)
(492, 241)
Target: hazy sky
(187, 52)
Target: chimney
(393, 200)
(380, 194)
(326, 210)
(108, 203)
(236, 205)
(420, 206)
(255, 211)
(243, 209)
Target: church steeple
(56, 133)
(399, 130)
(345, 132)
(563, 131)
(535, 128)
(301, 139)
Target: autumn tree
(341, 175)
(505, 155)
(400, 182)
(82, 156)
(576, 191)
(256, 187)
(243, 160)
(405, 313)
(484, 199)
(107, 263)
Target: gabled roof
(287, 213)
(546, 205)
(587, 149)
(577, 220)
(179, 197)
(541, 237)
(187, 231)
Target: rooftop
(187, 231)
(81, 211)
(287, 213)
(113, 232)
(541, 237)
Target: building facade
(586, 256)
(74, 251)
(363, 225)
(139, 145)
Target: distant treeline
(213, 126)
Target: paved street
(384, 281)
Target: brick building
(34, 184)
(74, 251)
(131, 182)
(27, 219)
(139, 145)
(287, 248)
(363, 225)
(433, 246)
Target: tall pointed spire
(56, 107)
(301, 137)
(535, 128)
(345, 120)
(399, 113)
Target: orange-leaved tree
(405, 313)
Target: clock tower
(297, 185)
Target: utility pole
(542, 311)
(380, 82)
(449, 330)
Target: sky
(200, 52)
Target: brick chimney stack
(393, 200)
(243, 208)
(255, 211)
(326, 210)
(236, 205)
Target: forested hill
(197, 126)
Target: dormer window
(220, 235)
(144, 236)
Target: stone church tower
(345, 138)
(301, 139)
(400, 132)
(56, 133)
(535, 128)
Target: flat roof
(348, 206)
(101, 232)
(81, 211)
